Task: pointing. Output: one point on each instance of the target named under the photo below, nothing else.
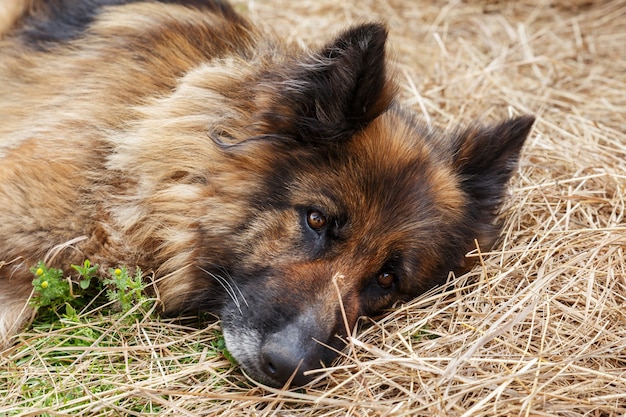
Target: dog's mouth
(285, 356)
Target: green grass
(98, 347)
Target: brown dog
(263, 182)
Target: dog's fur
(266, 183)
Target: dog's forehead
(396, 167)
(388, 177)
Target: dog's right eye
(386, 279)
(316, 220)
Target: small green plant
(56, 296)
(124, 288)
(424, 333)
(219, 344)
(52, 290)
(86, 272)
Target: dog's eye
(386, 279)
(316, 220)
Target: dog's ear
(485, 157)
(331, 94)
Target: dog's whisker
(227, 285)
(234, 285)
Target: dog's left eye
(316, 220)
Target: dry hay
(539, 328)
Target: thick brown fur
(251, 178)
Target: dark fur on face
(278, 187)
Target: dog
(285, 189)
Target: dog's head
(361, 206)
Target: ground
(538, 328)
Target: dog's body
(262, 182)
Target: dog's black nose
(303, 344)
(282, 359)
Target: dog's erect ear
(485, 158)
(331, 94)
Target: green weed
(53, 291)
(125, 289)
(93, 331)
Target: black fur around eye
(316, 220)
(386, 279)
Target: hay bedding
(537, 329)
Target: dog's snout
(283, 359)
(300, 346)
